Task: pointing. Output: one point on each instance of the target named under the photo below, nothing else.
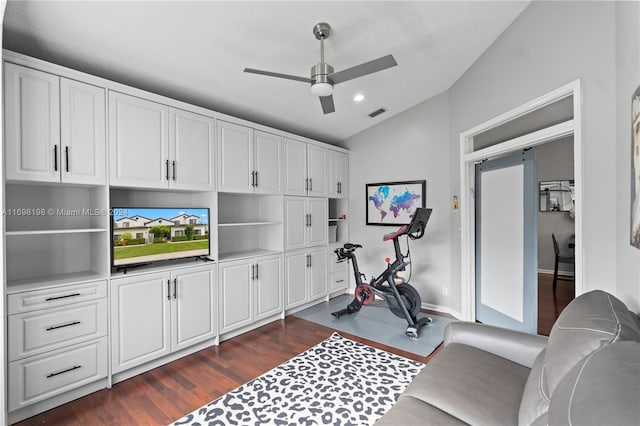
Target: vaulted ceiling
(197, 51)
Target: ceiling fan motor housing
(320, 72)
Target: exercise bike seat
(391, 235)
(350, 246)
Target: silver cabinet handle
(175, 288)
(168, 289)
(173, 165)
(66, 157)
(166, 163)
(257, 271)
(55, 158)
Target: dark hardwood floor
(550, 305)
(167, 393)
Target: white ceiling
(196, 51)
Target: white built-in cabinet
(159, 313)
(336, 174)
(250, 290)
(305, 222)
(305, 169)
(54, 128)
(249, 161)
(154, 146)
(75, 146)
(305, 276)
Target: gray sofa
(587, 372)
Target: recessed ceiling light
(358, 98)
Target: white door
(192, 148)
(317, 170)
(268, 163)
(235, 294)
(296, 222)
(235, 158)
(317, 271)
(138, 142)
(268, 287)
(318, 229)
(295, 278)
(82, 133)
(32, 124)
(193, 311)
(507, 243)
(295, 167)
(140, 314)
(342, 175)
(333, 178)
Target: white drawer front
(338, 282)
(40, 377)
(36, 332)
(58, 296)
(332, 260)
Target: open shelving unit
(338, 217)
(249, 225)
(56, 235)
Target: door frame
(468, 158)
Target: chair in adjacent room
(560, 258)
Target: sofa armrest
(516, 346)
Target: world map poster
(394, 203)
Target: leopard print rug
(337, 382)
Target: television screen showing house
(142, 235)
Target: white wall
(412, 145)
(3, 350)
(627, 80)
(547, 46)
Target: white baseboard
(442, 309)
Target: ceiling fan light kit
(323, 77)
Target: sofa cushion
(411, 411)
(590, 321)
(602, 389)
(473, 385)
(535, 398)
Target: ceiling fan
(322, 76)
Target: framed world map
(393, 203)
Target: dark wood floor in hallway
(165, 394)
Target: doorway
(471, 153)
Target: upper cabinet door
(317, 170)
(342, 175)
(235, 158)
(32, 124)
(192, 148)
(138, 142)
(268, 163)
(318, 229)
(333, 180)
(83, 133)
(295, 167)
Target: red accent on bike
(392, 235)
(387, 259)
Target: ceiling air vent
(377, 112)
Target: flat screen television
(144, 235)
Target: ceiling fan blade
(327, 104)
(275, 74)
(363, 69)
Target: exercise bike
(399, 296)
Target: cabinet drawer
(40, 377)
(332, 260)
(52, 297)
(32, 333)
(338, 281)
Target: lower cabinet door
(338, 281)
(194, 309)
(140, 318)
(267, 281)
(40, 377)
(235, 294)
(317, 274)
(295, 278)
